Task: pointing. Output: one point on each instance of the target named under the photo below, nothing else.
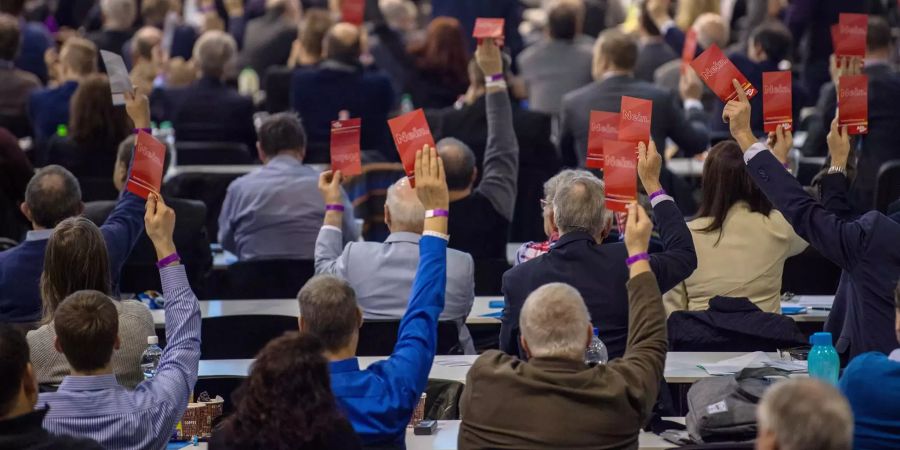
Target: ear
(590, 335)
(26, 211)
(80, 208)
(553, 224)
(56, 344)
(359, 316)
(387, 216)
(260, 153)
(524, 346)
(117, 343)
(302, 323)
(474, 176)
(29, 384)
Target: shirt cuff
(693, 103)
(332, 227)
(436, 234)
(666, 27)
(659, 199)
(754, 150)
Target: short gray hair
(329, 311)
(395, 12)
(806, 413)
(213, 52)
(553, 322)
(405, 208)
(579, 206)
(551, 185)
(119, 13)
(53, 195)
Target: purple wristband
(168, 260)
(145, 130)
(437, 213)
(657, 194)
(493, 78)
(639, 257)
(334, 207)
(786, 165)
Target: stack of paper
(751, 360)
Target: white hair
(397, 12)
(806, 413)
(119, 14)
(407, 212)
(213, 52)
(554, 321)
(579, 205)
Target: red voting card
(488, 28)
(717, 71)
(853, 104)
(353, 11)
(634, 120)
(146, 166)
(411, 133)
(619, 174)
(777, 106)
(345, 146)
(851, 38)
(604, 126)
(689, 49)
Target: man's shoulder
(581, 95)
(490, 361)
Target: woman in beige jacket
(741, 242)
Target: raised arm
(501, 157)
(329, 257)
(835, 183)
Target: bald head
(459, 163)
(711, 29)
(402, 209)
(143, 42)
(342, 43)
(804, 413)
(555, 322)
(52, 195)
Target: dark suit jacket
(600, 274)
(267, 42)
(867, 250)
(15, 173)
(538, 160)
(35, 40)
(191, 240)
(48, 108)
(14, 92)
(652, 54)
(207, 111)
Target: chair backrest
(810, 273)
(241, 337)
(887, 185)
(489, 276)
(378, 338)
(97, 188)
(276, 278)
(210, 188)
(213, 153)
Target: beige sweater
(135, 324)
(747, 262)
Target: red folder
(777, 105)
(146, 166)
(619, 174)
(634, 120)
(488, 28)
(717, 71)
(345, 146)
(604, 125)
(353, 11)
(689, 49)
(411, 133)
(853, 104)
(852, 31)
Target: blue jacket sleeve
(679, 259)
(121, 230)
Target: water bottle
(150, 357)
(823, 358)
(167, 136)
(248, 82)
(406, 104)
(596, 352)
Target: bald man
(339, 83)
(384, 293)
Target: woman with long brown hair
(741, 241)
(439, 74)
(286, 402)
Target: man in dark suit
(208, 110)
(654, 52)
(866, 248)
(268, 39)
(191, 238)
(118, 21)
(340, 83)
(49, 108)
(577, 258)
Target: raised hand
(838, 144)
(637, 230)
(330, 187)
(137, 105)
(737, 114)
(159, 221)
(488, 57)
(431, 183)
(649, 166)
(781, 142)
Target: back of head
(9, 37)
(579, 206)
(118, 14)
(711, 29)
(153, 12)
(12, 7)
(79, 55)
(726, 182)
(213, 52)
(125, 153)
(774, 39)
(405, 209)
(52, 195)
(554, 321)
(313, 28)
(443, 51)
(459, 163)
(14, 358)
(329, 311)
(342, 44)
(563, 177)
(75, 259)
(86, 326)
(617, 49)
(143, 42)
(290, 413)
(281, 132)
(95, 123)
(564, 20)
(805, 413)
(878, 36)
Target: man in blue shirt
(49, 108)
(379, 401)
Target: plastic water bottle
(823, 358)
(248, 82)
(150, 357)
(406, 104)
(596, 352)
(167, 136)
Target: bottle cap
(821, 338)
(62, 130)
(152, 340)
(596, 332)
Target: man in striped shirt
(89, 402)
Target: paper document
(119, 82)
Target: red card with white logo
(689, 49)
(634, 120)
(604, 126)
(488, 28)
(345, 154)
(777, 103)
(852, 31)
(619, 174)
(853, 104)
(411, 133)
(146, 166)
(353, 11)
(717, 71)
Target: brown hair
(9, 37)
(80, 55)
(75, 259)
(443, 52)
(313, 28)
(619, 49)
(726, 182)
(94, 121)
(86, 325)
(328, 309)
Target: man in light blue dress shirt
(275, 212)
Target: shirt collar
(280, 161)
(88, 383)
(403, 236)
(345, 365)
(38, 235)
(895, 355)
(573, 236)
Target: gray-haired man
(804, 414)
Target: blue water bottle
(823, 358)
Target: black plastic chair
(810, 273)
(241, 337)
(378, 337)
(212, 153)
(277, 278)
(97, 188)
(210, 188)
(489, 276)
(887, 185)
